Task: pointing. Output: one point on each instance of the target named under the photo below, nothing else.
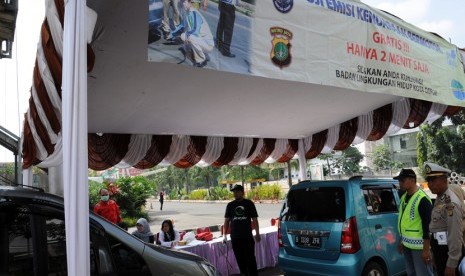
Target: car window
(318, 204)
(35, 240)
(17, 251)
(127, 261)
(380, 200)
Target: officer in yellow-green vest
(413, 222)
(446, 222)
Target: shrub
(272, 192)
(94, 188)
(220, 193)
(130, 194)
(131, 221)
(174, 194)
(198, 194)
(133, 194)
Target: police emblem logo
(283, 6)
(447, 198)
(281, 47)
(450, 210)
(427, 169)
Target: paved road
(190, 215)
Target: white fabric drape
(279, 149)
(56, 158)
(43, 118)
(178, 149)
(74, 129)
(54, 23)
(331, 140)
(41, 151)
(243, 148)
(254, 154)
(47, 78)
(365, 125)
(137, 149)
(400, 113)
(308, 143)
(435, 112)
(212, 151)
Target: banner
(344, 44)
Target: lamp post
(242, 175)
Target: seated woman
(143, 231)
(168, 237)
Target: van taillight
(350, 243)
(280, 237)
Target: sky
(445, 17)
(16, 73)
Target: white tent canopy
(128, 95)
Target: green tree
(458, 119)
(171, 179)
(382, 160)
(8, 169)
(204, 177)
(91, 172)
(329, 158)
(443, 145)
(349, 162)
(275, 170)
(133, 194)
(251, 172)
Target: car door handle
(378, 226)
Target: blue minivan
(341, 227)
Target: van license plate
(307, 241)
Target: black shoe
(182, 50)
(228, 54)
(165, 34)
(200, 64)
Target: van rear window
(321, 204)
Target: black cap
(405, 173)
(237, 187)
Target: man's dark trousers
(244, 250)
(224, 31)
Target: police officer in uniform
(446, 222)
(413, 225)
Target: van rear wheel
(373, 269)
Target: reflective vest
(409, 221)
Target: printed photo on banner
(212, 34)
(341, 43)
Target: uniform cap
(237, 188)
(405, 173)
(432, 169)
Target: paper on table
(192, 243)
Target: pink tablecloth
(222, 256)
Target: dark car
(33, 242)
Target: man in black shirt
(240, 213)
